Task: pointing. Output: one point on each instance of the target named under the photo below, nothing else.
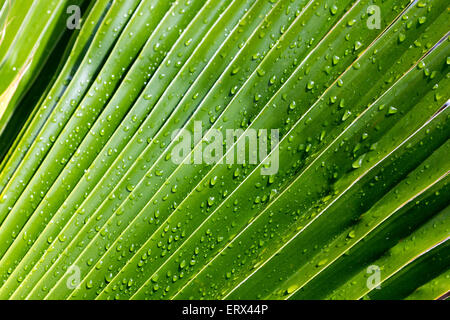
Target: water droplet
(392, 110)
(333, 9)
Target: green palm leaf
(344, 197)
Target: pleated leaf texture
(224, 149)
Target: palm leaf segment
(93, 205)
